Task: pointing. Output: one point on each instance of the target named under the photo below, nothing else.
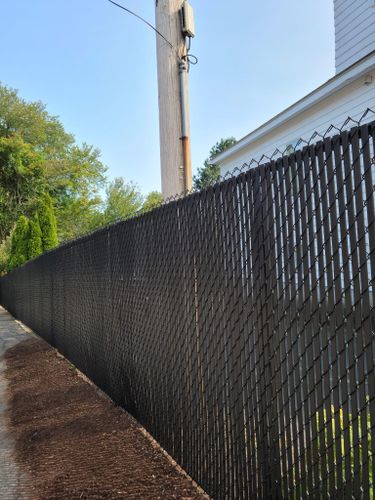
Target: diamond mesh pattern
(236, 324)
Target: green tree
(35, 246)
(5, 248)
(32, 122)
(75, 185)
(153, 200)
(21, 180)
(20, 243)
(72, 174)
(78, 217)
(122, 201)
(47, 222)
(209, 174)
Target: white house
(348, 94)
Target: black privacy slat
(236, 324)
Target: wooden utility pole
(174, 120)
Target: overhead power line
(190, 58)
(147, 23)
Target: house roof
(360, 68)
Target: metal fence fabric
(236, 324)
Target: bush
(47, 222)
(35, 246)
(5, 249)
(19, 251)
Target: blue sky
(95, 67)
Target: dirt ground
(76, 444)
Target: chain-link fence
(236, 324)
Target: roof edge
(332, 85)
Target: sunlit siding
(354, 31)
(352, 100)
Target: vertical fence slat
(236, 324)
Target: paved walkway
(63, 439)
(13, 482)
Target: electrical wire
(147, 23)
(193, 60)
(189, 58)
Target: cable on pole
(147, 23)
(189, 58)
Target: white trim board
(338, 82)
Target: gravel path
(73, 441)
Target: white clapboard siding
(354, 31)
(352, 100)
